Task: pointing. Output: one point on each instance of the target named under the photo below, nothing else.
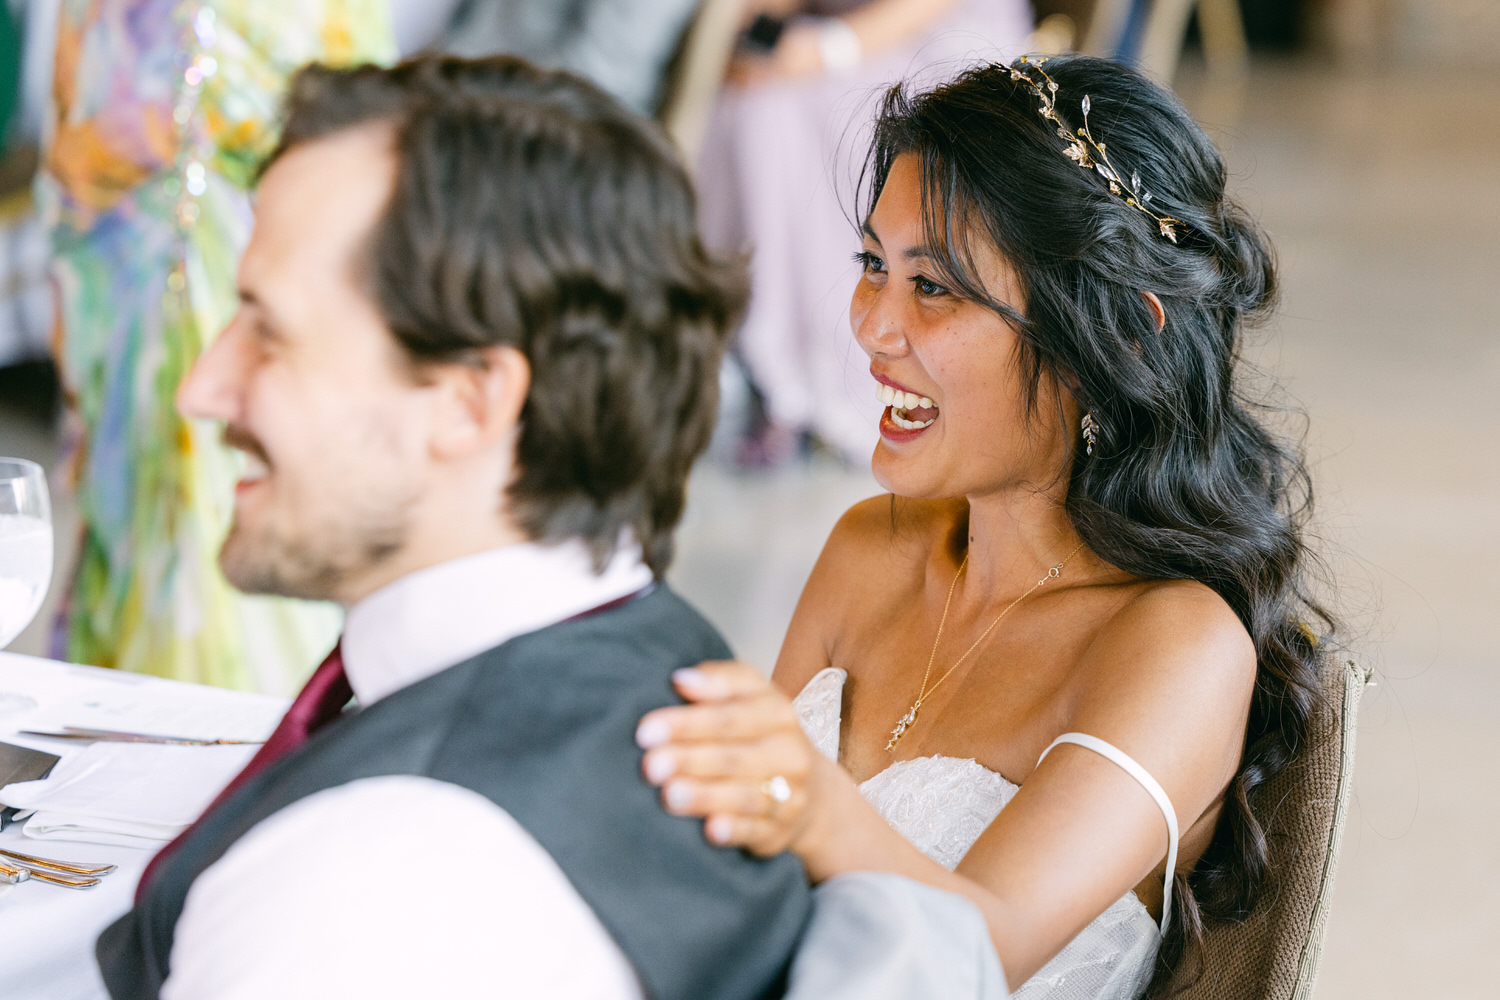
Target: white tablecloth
(47, 933)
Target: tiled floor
(1382, 195)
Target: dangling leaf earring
(1090, 433)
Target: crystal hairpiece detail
(1083, 150)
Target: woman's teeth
(908, 425)
(891, 396)
(901, 403)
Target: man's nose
(210, 389)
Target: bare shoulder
(884, 517)
(1173, 626)
(869, 520)
(886, 533)
(874, 559)
(1173, 658)
(1169, 679)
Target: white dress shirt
(403, 886)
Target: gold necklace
(910, 718)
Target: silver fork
(61, 873)
(19, 873)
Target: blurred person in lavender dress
(775, 174)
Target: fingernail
(679, 795)
(718, 829)
(660, 766)
(689, 677)
(651, 732)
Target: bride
(1052, 668)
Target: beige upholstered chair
(1219, 22)
(1274, 954)
(697, 71)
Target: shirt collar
(438, 617)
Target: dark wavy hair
(1186, 481)
(532, 210)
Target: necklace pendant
(905, 722)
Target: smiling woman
(1052, 670)
(951, 351)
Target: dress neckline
(830, 682)
(828, 741)
(936, 757)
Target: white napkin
(127, 794)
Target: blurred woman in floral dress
(163, 110)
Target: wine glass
(25, 545)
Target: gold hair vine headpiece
(1083, 150)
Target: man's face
(310, 385)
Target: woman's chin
(894, 473)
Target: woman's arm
(875, 26)
(1167, 680)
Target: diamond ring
(778, 790)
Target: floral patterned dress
(163, 109)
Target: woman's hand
(734, 755)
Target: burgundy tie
(322, 699)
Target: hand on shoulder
(735, 755)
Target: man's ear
(480, 401)
(1157, 312)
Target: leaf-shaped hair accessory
(1081, 147)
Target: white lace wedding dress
(942, 805)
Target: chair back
(696, 73)
(1273, 955)
(1154, 44)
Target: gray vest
(544, 727)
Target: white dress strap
(1139, 773)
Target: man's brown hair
(531, 210)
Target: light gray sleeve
(877, 936)
(419, 23)
(621, 45)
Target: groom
(475, 355)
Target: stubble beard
(319, 561)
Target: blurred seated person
(623, 46)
